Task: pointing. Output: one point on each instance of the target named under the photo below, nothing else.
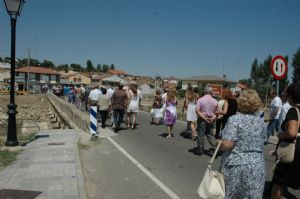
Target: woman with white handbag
(242, 141)
(287, 171)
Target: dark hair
(196, 90)
(104, 91)
(293, 91)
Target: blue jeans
(205, 129)
(273, 124)
(118, 115)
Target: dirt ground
(29, 107)
(32, 100)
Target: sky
(180, 38)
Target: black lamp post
(13, 8)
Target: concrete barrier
(75, 118)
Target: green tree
(33, 62)
(179, 85)
(99, 68)
(47, 64)
(89, 66)
(7, 59)
(64, 67)
(247, 82)
(105, 68)
(112, 67)
(261, 76)
(296, 66)
(76, 67)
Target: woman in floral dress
(243, 140)
(170, 112)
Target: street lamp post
(13, 8)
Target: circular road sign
(279, 67)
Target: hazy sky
(167, 37)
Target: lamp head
(14, 7)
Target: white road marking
(166, 189)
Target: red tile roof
(40, 70)
(117, 72)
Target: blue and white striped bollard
(93, 120)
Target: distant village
(30, 79)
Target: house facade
(75, 78)
(35, 76)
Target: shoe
(103, 126)
(199, 152)
(169, 136)
(94, 136)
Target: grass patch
(83, 146)
(88, 144)
(7, 157)
(27, 136)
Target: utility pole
(28, 66)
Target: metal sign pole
(277, 87)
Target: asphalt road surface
(142, 163)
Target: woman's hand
(227, 145)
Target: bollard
(93, 121)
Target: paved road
(157, 167)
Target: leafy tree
(296, 66)
(112, 67)
(247, 82)
(1, 59)
(33, 62)
(99, 68)
(64, 67)
(179, 85)
(7, 59)
(47, 64)
(261, 76)
(89, 66)
(105, 68)
(76, 67)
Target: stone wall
(75, 118)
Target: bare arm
(291, 130)
(227, 145)
(224, 110)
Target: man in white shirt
(285, 107)
(275, 110)
(94, 95)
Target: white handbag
(212, 185)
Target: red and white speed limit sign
(279, 67)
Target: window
(32, 76)
(79, 79)
(53, 77)
(75, 79)
(45, 78)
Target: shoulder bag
(212, 185)
(285, 151)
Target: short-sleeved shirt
(207, 105)
(95, 95)
(276, 102)
(249, 133)
(291, 115)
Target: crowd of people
(236, 119)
